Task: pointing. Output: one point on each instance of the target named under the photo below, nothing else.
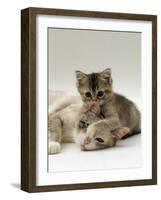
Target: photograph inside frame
(94, 100)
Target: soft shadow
(15, 185)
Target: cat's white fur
(54, 147)
(66, 106)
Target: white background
(10, 97)
(94, 52)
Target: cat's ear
(119, 133)
(80, 75)
(106, 75)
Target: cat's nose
(87, 140)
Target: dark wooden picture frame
(28, 98)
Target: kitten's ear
(80, 75)
(106, 75)
(118, 133)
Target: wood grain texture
(24, 100)
(154, 99)
(28, 98)
(83, 13)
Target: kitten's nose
(94, 99)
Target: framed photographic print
(88, 99)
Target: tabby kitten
(117, 110)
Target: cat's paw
(83, 121)
(54, 147)
(83, 124)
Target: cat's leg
(88, 113)
(82, 121)
(55, 135)
(136, 126)
(132, 132)
(54, 147)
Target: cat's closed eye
(100, 140)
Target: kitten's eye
(100, 140)
(100, 94)
(88, 94)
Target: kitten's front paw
(83, 124)
(54, 147)
(83, 121)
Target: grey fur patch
(93, 81)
